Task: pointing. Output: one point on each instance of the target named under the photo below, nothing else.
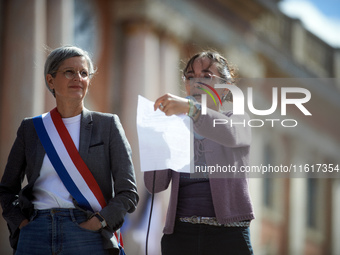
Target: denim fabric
(200, 239)
(57, 231)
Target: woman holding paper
(207, 214)
(72, 158)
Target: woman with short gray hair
(81, 179)
(57, 56)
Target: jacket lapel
(85, 133)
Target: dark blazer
(105, 150)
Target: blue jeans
(201, 239)
(57, 231)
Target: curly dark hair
(226, 71)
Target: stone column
(140, 72)
(335, 217)
(150, 68)
(337, 66)
(148, 65)
(22, 76)
(170, 80)
(60, 15)
(60, 19)
(256, 186)
(298, 41)
(297, 224)
(140, 76)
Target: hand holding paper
(164, 141)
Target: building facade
(138, 47)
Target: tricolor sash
(67, 162)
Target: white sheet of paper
(164, 141)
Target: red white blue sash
(67, 162)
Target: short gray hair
(58, 55)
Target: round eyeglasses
(71, 74)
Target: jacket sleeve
(226, 129)
(157, 181)
(10, 185)
(125, 189)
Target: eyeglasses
(71, 74)
(206, 78)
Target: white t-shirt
(49, 191)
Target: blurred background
(139, 47)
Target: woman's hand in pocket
(92, 224)
(23, 223)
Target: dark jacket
(105, 150)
